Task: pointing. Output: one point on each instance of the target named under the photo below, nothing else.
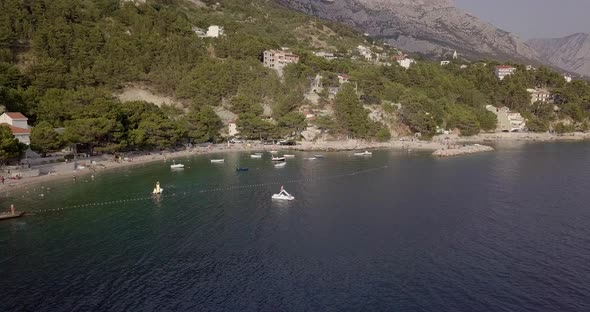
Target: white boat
(280, 165)
(311, 158)
(177, 166)
(157, 190)
(217, 161)
(273, 152)
(283, 195)
(365, 153)
(256, 156)
(289, 156)
(318, 156)
(278, 158)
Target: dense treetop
(61, 61)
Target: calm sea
(502, 231)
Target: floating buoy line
(180, 193)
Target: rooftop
(17, 130)
(16, 115)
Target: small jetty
(12, 214)
(8, 215)
(462, 150)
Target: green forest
(62, 61)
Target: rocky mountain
(571, 53)
(431, 27)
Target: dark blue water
(503, 231)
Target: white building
(278, 59)
(365, 52)
(455, 55)
(406, 62)
(508, 121)
(18, 125)
(503, 71)
(539, 95)
(567, 78)
(327, 55)
(445, 63)
(213, 31)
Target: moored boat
(242, 169)
(278, 158)
(273, 152)
(289, 156)
(256, 156)
(217, 161)
(365, 153)
(177, 166)
(280, 165)
(319, 156)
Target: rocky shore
(462, 150)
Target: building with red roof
(17, 123)
(504, 70)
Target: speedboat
(256, 156)
(289, 156)
(319, 156)
(278, 158)
(217, 161)
(177, 166)
(365, 153)
(280, 165)
(283, 195)
(242, 169)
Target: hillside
(89, 65)
(571, 53)
(434, 28)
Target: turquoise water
(502, 231)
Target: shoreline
(440, 142)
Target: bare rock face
(310, 134)
(571, 53)
(432, 27)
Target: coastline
(438, 143)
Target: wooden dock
(8, 215)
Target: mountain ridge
(571, 53)
(434, 28)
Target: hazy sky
(533, 18)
